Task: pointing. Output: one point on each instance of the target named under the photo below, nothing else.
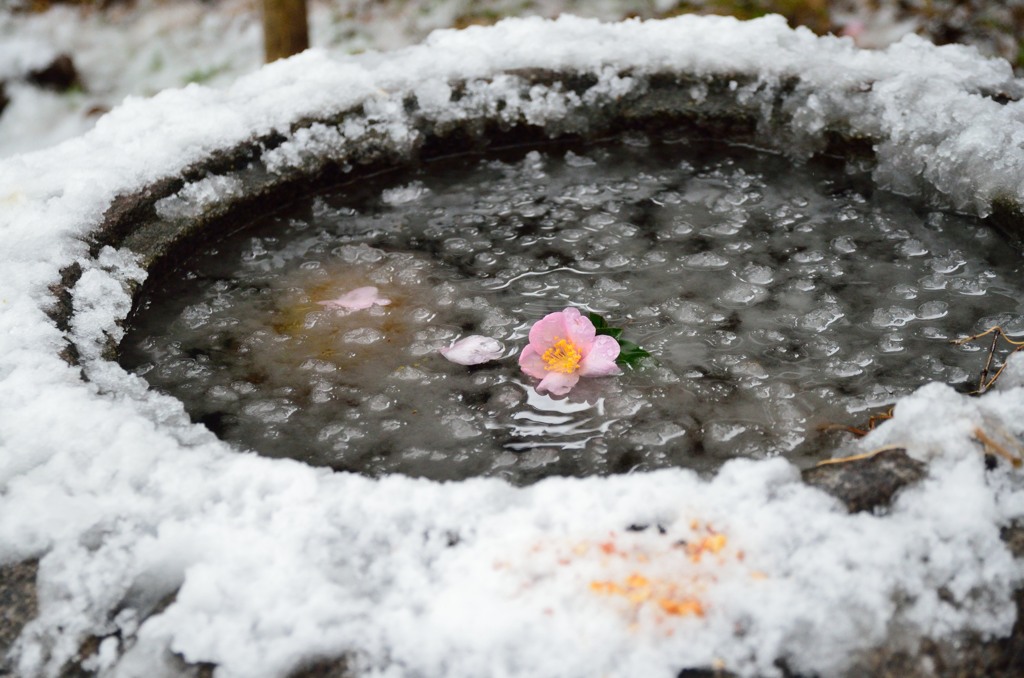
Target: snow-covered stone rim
(155, 536)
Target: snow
(20, 55)
(275, 563)
(144, 47)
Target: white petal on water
(357, 299)
(474, 350)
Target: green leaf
(602, 327)
(626, 346)
(630, 354)
(599, 321)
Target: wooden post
(285, 28)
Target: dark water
(775, 299)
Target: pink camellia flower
(357, 299)
(563, 347)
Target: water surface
(775, 299)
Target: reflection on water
(566, 423)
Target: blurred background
(63, 64)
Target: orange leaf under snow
(716, 542)
(639, 588)
(637, 581)
(639, 596)
(609, 587)
(683, 607)
(710, 544)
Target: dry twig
(997, 332)
(859, 432)
(860, 457)
(994, 447)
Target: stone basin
(133, 541)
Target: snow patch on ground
(258, 565)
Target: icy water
(775, 299)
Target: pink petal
(581, 330)
(558, 383)
(600, 361)
(474, 350)
(544, 332)
(531, 363)
(567, 324)
(357, 299)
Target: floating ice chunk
(272, 411)
(844, 245)
(891, 343)
(461, 425)
(934, 333)
(723, 229)
(401, 195)
(364, 336)
(574, 160)
(912, 248)
(820, 319)
(969, 287)
(904, 292)
(742, 294)
(705, 261)
(894, 316)
(844, 368)
(357, 300)
(689, 313)
(757, 274)
(359, 254)
(808, 257)
(617, 260)
(932, 310)
(473, 350)
(749, 368)
(948, 263)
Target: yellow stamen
(562, 357)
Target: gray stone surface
(867, 484)
(60, 75)
(18, 604)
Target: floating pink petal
(474, 350)
(563, 347)
(357, 300)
